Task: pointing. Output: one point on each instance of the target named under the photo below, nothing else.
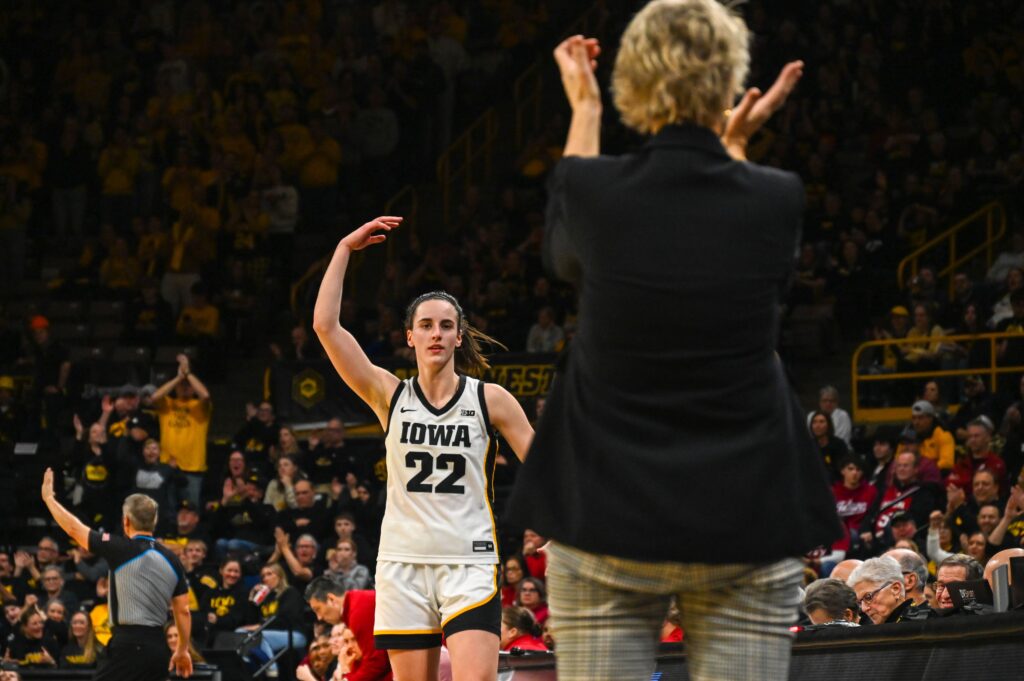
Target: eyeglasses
(868, 597)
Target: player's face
(434, 333)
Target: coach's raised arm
(145, 577)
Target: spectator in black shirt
(57, 621)
(245, 526)
(260, 431)
(187, 526)
(53, 588)
(30, 645)
(82, 650)
(93, 463)
(159, 481)
(225, 608)
(310, 515)
(833, 450)
(300, 564)
(285, 604)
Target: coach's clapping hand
(577, 61)
(755, 109)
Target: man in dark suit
(672, 391)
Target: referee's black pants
(135, 654)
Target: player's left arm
(509, 419)
(74, 527)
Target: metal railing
(877, 375)
(528, 91)
(467, 159)
(992, 215)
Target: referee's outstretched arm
(180, 662)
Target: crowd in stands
(177, 152)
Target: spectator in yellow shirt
(184, 424)
(117, 168)
(933, 442)
(200, 319)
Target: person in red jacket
(519, 630)
(854, 497)
(332, 604)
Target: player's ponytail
(469, 357)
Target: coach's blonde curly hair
(680, 61)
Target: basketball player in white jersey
(438, 559)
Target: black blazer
(672, 433)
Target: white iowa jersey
(440, 471)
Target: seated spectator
(82, 650)
(258, 434)
(149, 319)
(299, 565)
(201, 576)
(225, 607)
(1008, 533)
(915, 572)
(159, 481)
(319, 662)
(99, 614)
(199, 321)
(341, 562)
(940, 538)
(932, 393)
(924, 347)
(287, 443)
(345, 528)
(187, 525)
(536, 560)
(883, 450)
(57, 621)
(120, 270)
(979, 457)
(236, 473)
(519, 630)
(53, 584)
(854, 496)
(1002, 309)
(514, 572)
(956, 568)
(545, 335)
(934, 443)
(30, 646)
(310, 515)
(828, 404)
(881, 594)
(919, 498)
(973, 353)
(830, 602)
(833, 450)
(977, 402)
(284, 602)
(171, 636)
(975, 546)
(962, 510)
(532, 596)
(245, 526)
(844, 569)
(281, 490)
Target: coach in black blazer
(672, 433)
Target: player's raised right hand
(370, 233)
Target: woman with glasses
(514, 573)
(881, 595)
(532, 596)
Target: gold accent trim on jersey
(494, 592)
(411, 632)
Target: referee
(144, 578)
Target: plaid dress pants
(607, 612)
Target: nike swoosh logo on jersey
(403, 410)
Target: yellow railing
(529, 86)
(901, 413)
(467, 159)
(527, 95)
(993, 215)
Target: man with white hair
(828, 403)
(915, 573)
(881, 593)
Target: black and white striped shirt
(144, 576)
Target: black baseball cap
(187, 505)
